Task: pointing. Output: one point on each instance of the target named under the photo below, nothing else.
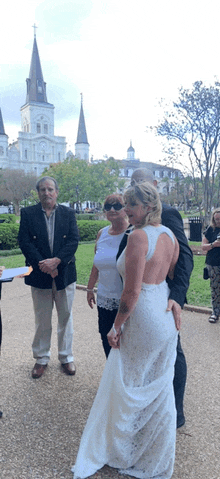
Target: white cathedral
(37, 146)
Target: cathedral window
(38, 128)
(39, 86)
(46, 129)
(25, 154)
(28, 128)
(58, 156)
(1, 151)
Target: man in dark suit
(178, 286)
(48, 238)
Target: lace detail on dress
(132, 423)
(107, 303)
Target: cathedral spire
(82, 135)
(2, 130)
(36, 87)
(82, 145)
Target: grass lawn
(84, 261)
(198, 293)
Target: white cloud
(123, 55)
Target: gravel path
(43, 419)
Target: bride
(132, 423)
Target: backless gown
(132, 423)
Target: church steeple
(36, 87)
(2, 130)
(82, 135)
(82, 145)
(3, 144)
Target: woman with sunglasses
(104, 267)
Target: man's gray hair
(45, 178)
(140, 175)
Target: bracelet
(89, 290)
(114, 330)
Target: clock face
(43, 145)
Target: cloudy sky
(123, 55)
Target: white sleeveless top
(110, 283)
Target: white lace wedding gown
(132, 423)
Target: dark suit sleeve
(179, 285)
(70, 243)
(25, 239)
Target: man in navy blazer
(48, 238)
(178, 286)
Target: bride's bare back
(161, 264)
(163, 260)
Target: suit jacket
(34, 244)
(179, 285)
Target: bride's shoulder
(138, 235)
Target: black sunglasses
(116, 206)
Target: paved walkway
(43, 419)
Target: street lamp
(77, 197)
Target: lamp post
(77, 197)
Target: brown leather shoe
(38, 370)
(69, 368)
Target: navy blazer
(179, 285)
(34, 244)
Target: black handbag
(205, 273)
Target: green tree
(73, 179)
(15, 186)
(105, 179)
(194, 123)
(81, 181)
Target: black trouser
(106, 320)
(179, 382)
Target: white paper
(12, 272)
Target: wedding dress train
(132, 423)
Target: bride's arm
(137, 247)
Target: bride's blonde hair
(147, 194)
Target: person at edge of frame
(2, 281)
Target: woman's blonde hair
(212, 222)
(147, 194)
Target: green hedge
(9, 232)
(88, 229)
(9, 236)
(8, 218)
(85, 216)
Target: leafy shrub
(9, 236)
(88, 229)
(8, 218)
(85, 216)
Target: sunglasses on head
(116, 206)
